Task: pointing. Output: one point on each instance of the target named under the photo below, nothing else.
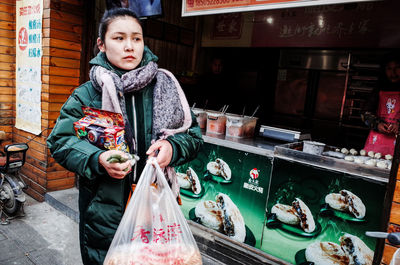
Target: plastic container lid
(215, 114)
(234, 119)
(235, 116)
(311, 147)
(198, 111)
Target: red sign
(355, 25)
(227, 26)
(202, 7)
(23, 38)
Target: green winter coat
(102, 199)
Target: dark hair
(393, 56)
(112, 14)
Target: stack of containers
(220, 123)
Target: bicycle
(12, 185)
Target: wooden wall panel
(394, 222)
(7, 33)
(7, 58)
(62, 26)
(396, 196)
(8, 7)
(388, 252)
(61, 72)
(60, 184)
(57, 89)
(68, 17)
(62, 37)
(61, 62)
(7, 68)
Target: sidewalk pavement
(48, 233)
(44, 236)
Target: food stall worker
(124, 78)
(212, 85)
(382, 111)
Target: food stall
(323, 92)
(291, 91)
(264, 173)
(271, 55)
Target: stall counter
(258, 146)
(240, 188)
(262, 170)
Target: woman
(382, 111)
(158, 122)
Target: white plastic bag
(153, 229)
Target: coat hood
(101, 60)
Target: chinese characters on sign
(159, 235)
(28, 65)
(339, 29)
(253, 182)
(331, 25)
(228, 26)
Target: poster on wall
(28, 65)
(207, 7)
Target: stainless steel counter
(292, 152)
(257, 146)
(270, 149)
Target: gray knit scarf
(171, 111)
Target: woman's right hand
(115, 170)
(383, 128)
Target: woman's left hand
(393, 128)
(165, 152)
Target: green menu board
(247, 187)
(291, 180)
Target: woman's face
(393, 71)
(123, 43)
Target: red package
(102, 128)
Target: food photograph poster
(28, 65)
